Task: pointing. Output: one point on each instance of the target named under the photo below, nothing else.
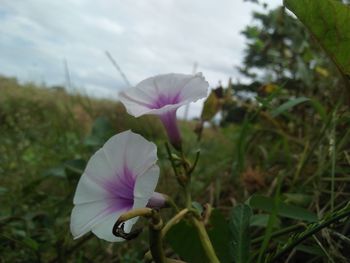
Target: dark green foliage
(183, 238)
(240, 233)
(280, 50)
(288, 105)
(329, 22)
(284, 210)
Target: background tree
(281, 55)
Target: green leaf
(101, 126)
(288, 105)
(101, 131)
(241, 148)
(313, 250)
(74, 169)
(183, 238)
(75, 166)
(211, 106)
(319, 109)
(285, 210)
(298, 199)
(3, 190)
(31, 243)
(218, 231)
(239, 233)
(197, 206)
(261, 220)
(57, 171)
(329, 22)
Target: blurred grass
(41, 129)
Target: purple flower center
(120, 190)
(163, 100)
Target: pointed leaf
(285, 210)
(239, 233)
(288, 105)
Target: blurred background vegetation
(284, 130)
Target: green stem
(156, 246)
(186, 183)
(155, 239)
(171, 159)
(323, 249)
(279, 233)
(205, 241)
(191, 169)
(188, 196)
(310, 233)
(333, 158)
(173, 221)
(169, 202)
(271, 221)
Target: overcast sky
(146, 38)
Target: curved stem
(186, 183)
(173, 221)
(155, 239)
(205, 241)
(188, 196)
(194, 164)
(178, 176)
(169, 201)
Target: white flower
(162, 95)
(119, 177)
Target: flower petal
(89, 189)
(163, 93)
(85, 216)
(120, 176)
(104, 229)
(145, 185)
(140, 154)
(144, 189)
(106, 167)
(195, 89)
(174, 83)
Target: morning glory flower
(162, 95)
(119, 177)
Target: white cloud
(146, 38)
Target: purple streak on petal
(165, 99)
(115, 205)
(169, 121)
(120, 190)
(157, 201)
